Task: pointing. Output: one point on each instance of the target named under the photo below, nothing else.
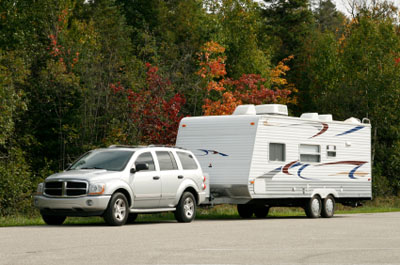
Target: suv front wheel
(186, 208)
(117, 211)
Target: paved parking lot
(344, 239)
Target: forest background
(77, 75)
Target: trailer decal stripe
(301, 170)
(357, 128)
(323, 130)
(285, 169)
(287, 166)
(207, 152)
(351, 174)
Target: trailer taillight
(204, 186)
(204, 178)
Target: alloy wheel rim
(119, 209)
(188, 207)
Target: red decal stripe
(324, 129)
(287, 166)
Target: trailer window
(310, 153)
(331, 150)
(277, 152)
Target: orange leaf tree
(224, 94)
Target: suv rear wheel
(186, 208)
(117, 211)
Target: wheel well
(127, 195)
(193, 191)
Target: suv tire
(117, 211)
(53, 219)
(186, 208)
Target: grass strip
(218, 212)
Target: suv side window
(146, 158)
(187, 160)
(166, 160)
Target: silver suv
(120, 182)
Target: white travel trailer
(260, 157)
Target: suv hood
(86, 174)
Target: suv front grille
(65, 188)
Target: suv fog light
(89, 202)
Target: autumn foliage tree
(155, 109)
(224, 94)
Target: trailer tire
(261, 211)
(53, 219)
(328, 207)
(313, 207)
(117, 211)
(186, 208)
(245, 210)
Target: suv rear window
(166, 160)
(187, 160)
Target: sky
(341, 5)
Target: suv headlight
(39, 190)
(96, 188)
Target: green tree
(355, 76)
(289, 22)
(239, 29)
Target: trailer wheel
(186, 208)
(328, 207)
(261, 211)
(245, 211)
(313, 207)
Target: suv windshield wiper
(92, 168)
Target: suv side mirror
(140, 167)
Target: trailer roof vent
(272, 109)
(245, 110)
(352, 120)
(310, 116)
(325, 117)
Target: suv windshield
(115, 160)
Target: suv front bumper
(77, 206)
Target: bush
(15, 184)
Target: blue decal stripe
(351, 174)
(350, 131)
(300, 170)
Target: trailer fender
(323, 193)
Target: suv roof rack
(125, 146)
(142, 146)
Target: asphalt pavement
(344, 239)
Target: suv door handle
(156, 177)
(180, 177)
